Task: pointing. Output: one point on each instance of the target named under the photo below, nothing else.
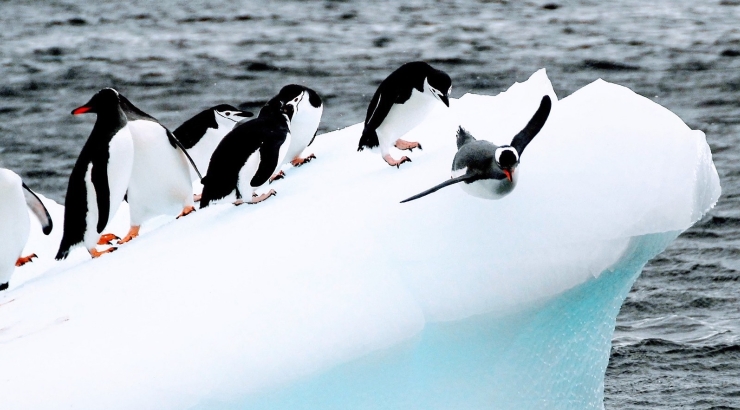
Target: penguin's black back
(95, 152)
(265, 133)
(395, 89)
(192, 130)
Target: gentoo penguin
(248, 155)
(160, 180)
(489, 171)
(15, 196)
(100, 176)
(201, 134)
(303, 126)
(403, 101)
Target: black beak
(445, 99)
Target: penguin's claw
(132, 233)
(197, 197)
(279, 175)
(107, 239)
(256, 200)
(96, 253)
(406, 145)
(25, 259)
(298, 161)
(186, 211)
(396, 163)
(239, 202)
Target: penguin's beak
(445, 99)
(81, 110)
(508, 173)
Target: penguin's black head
(102, 100)
(440, 84)
(288, 109)
(507, 159)
(230, 113)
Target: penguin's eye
(227, 113)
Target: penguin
(160, 181)
(403, 101)
(100, 175)
(303, 126)
(201, 134)
(15, 196)
(489, 171)
(248, 155)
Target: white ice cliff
(332, 295)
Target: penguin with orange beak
(489, 171)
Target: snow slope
(334, 295)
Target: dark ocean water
(677, 343)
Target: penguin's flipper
(38, 209)
(99, 177)
(268, 164)
(463, 137)
(175, 141)
(523, 138)
(378, 109)
(449, 182)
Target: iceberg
(333, 295)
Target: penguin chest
(160, 180)
(202, 151)
(489, 188)
(14, 222)
(303, 127)
(402, 118)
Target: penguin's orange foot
(186, 211)
(96, 253)
(298, 161)
(25, 259)
(403, 145)
(107, 239)
(132, 233)
(279, 175)
(256, 200)
(197, 197)
(396, 163)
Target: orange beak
(508, 173)
(81, 110)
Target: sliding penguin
(403, 101)
(160, 181)
(248, 155)
(303, 125)
(489, 171)
(15, 198)
(201, 134)
(100, 176)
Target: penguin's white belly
(202, 151)
(160, 180)
(120, 163)
(14, 222)
(246, 174)
(303, 127)
(402, 118)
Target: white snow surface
(234, 300)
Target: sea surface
(677, 342)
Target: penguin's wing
(269, 155)
(463, 137)
(379, 108)
(38, 209)
(99, 177)
(451, 181)
(175, 141)
(523, 138)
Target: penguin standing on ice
(160, 181)
(303, 126)
(15, 196)
(201, 134)
(403, 101)
(489, 171)
(248, 155)
(100, 176)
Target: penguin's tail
(369, 139)
(63, 252)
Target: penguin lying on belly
(402, 102)
(15, 196)
(160, 181)
(100, 175)
(248, 155)
(489, 171)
